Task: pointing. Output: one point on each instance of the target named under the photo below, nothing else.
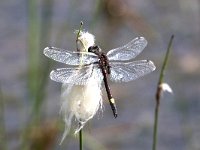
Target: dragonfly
(117, 64)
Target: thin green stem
(155, 126)
(158, 94)
(79, 30)
(38, 38)
(33, 47)
(79, 41)
(43, 70)
(80, 132)
(165, 60)
(33, 61)
(81, 140)
(3, 137)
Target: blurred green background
(30, 101)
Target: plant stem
(155, 126)
(79, 30)
(158, 94)
(43, 70)
(165, 60)
(80, 140)
(80, 132)
(38, 38)
(3, 137)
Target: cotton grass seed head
(166, 88)
(81, 101)
(84, 41)
(163, 87)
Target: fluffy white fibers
(81, 101)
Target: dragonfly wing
(70, 57)
(128, 51)
(77, 76)
(128, 71)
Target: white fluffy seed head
(85, 40)
(165, 87)
(81, 102)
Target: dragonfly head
(94, 49)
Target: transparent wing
(70, 57)
(77, 76)
(128, 51)
(128, 71)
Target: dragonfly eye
(90, 49)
